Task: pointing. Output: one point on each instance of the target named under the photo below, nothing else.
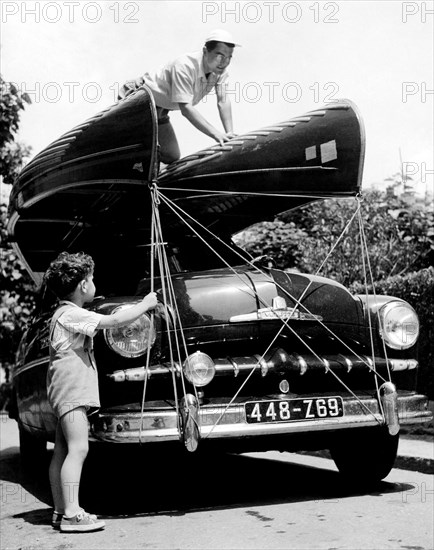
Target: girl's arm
(127, 316)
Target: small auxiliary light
(199, 369)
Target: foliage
(12, 154)
(17, 297)
(17, 292)
(277, 239)
(399, 238)
(12, 157)
(11, 102)
(396, 236)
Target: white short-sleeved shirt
(73, 326)
(182, 81)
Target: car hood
(244, 294)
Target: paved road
(264, 500)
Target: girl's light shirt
(74, 326)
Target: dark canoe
(90, 189)
(271, 170)
(77, 193)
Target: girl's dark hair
(66, 271)
(212, 44)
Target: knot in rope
(154, 191)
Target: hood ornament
(279, 310)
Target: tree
(277, 239)
(17, 296)
(12, 102)
(399, 237)
(12, 157)
(12, 154)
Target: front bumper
(160, 423)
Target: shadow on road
(124, 482)
(29, 488)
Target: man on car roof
(182, 83)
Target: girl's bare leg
(75, 431)
(59, 455)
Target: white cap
(219, 35)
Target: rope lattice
(169, 296)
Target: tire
(33, 450)
(365, 456)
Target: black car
(238, 356)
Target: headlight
(399, 325)
(131, 340)
(199, 369)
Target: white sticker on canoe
(328, 151)
(310, 152)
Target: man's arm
(225, 109)
(199, 122)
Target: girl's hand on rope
(150, 301)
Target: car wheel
(365, 456)
(33, 450)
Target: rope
(284, 322)
(248, 193)
(169, 297)
(297, 302)
(365, 246)
(165, 270)
(151, 327)
(362, 243)
(165, 301)
(365, 251)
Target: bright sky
(71, 57)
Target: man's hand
(222, 138)
(199, 122)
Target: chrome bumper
(221, 422)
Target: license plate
(291, 410)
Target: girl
(72, 381)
